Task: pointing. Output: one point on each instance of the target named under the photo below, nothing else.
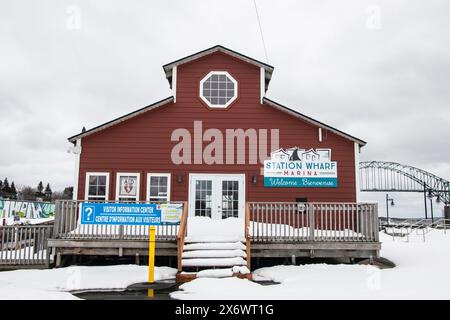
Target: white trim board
(216, 178)
(158, 174)
(86, 187)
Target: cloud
(388, 86)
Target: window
(218, 89)
(97, 186)
(158, 187)
(127, 187)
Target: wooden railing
(182, 232)
(67, 226)
(247, 235)
(313, 222)
(25, 245)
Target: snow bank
(25, 221)
(55, 283)
(420, 274)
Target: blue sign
(137, 214)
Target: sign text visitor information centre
(137, 214)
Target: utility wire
(261, 32)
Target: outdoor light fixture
(255, 179)
(387, 207)
(438, 199)
(180, 178)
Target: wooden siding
(143, 143)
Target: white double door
(217, 196)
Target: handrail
(247, 234)
(430, 227)
(313, 222)
(182, 235)
(68, 226)
(426, 225)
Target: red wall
(142, 144)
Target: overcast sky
(379, 70)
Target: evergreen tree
(40, 187)
(6, 188)
(1, 185)
(48, 192)
(13, 191)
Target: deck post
(310, 211)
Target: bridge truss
(386, 176)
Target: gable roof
(317, 123)
(268, 68)
(121, 119)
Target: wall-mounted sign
(140, 214)
(128, 186)
(300, 168)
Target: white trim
(128, 174)
(262, 80)
(217, 179)
(77, 152)
(121, 119)
(168, 67)
(157, 174)
(320, 134)
(218, 106)
(312, 121)
(357, 182)
(174, 83)
(86, 187)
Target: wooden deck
(322, 230)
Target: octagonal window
(218, 89)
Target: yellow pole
(151, 255)
(151, 259)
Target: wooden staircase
(211, 258)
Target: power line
(261, 32)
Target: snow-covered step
(215, 246)
(214, 254)
(215, 273)
(213, 262)
(193, 239)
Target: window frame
(138, 185)
(86, 187)
(218, 106)
(158, 174)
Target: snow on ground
(421, 273)
(55, 283)
(25, 221)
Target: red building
(207, 143)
